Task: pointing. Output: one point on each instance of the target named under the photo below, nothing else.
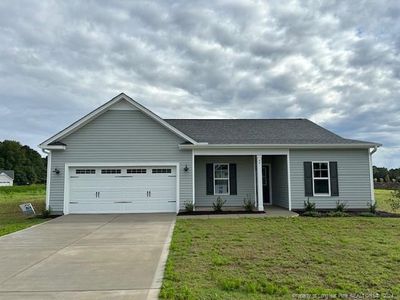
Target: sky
(334, 62)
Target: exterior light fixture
(186, 168)
(57, 171)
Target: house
(6, 177)
(123, 158)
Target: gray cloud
(337, 63)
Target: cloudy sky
(335, 62)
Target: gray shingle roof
(258, 131)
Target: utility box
(27, 209)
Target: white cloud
(336, 63)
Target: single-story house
(123, 158)
(6, 177)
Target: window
(111, 171)
(154, 171)
(85, 171)
(136, 171)
(321, 180)
(221, 179)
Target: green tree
(29, 167)
(379, 172)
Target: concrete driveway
(87, 257)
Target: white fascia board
(54, 147)
(239, 151)
(103, 108)
(277, 146)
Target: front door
(266, 184)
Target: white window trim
(328, 178)
(228, 179)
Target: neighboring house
(123, 158)
(6, 177)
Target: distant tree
(379, 172)
(388, 175)
(395, 174)
(387, 178)
(28, 165)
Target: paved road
(87, 257)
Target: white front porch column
(259, 184)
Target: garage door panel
(99, 191)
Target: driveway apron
(87, 257)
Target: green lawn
(276, 257)
(11, 217)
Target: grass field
(382, 197)
(11, 217)
(276, 258)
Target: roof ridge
(244, 119)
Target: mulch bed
(353, 213)
(224, 212)
(387, 214)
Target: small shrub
(311, 213)
(46, 213)
(189, 207)
(309, 206)
(218, 204)
(340, 207)
(372, 208)
(394, 200)
(248, 204)
(337, 214)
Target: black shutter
(210, 179)
(334, 178)
(308, 184)
(232, 179)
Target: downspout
(48, 177)
(371, 176)
(374, 150)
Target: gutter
(52, 147)
(48, 178)
(374, 150)
(279, 146)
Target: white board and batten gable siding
(122, 135)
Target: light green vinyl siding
(120, 136)
(244, 177)
(280, 194)
(353, 177)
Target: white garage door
(122, 189)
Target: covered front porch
(260, 179)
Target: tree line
(29, 167)
(383, 174)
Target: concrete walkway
(87, 257)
